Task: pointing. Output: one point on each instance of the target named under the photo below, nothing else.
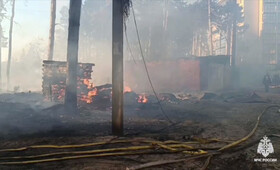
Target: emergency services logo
(265, 148)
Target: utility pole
(52, 29)
(72, 55)
(117, 82)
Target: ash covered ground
(27, 119)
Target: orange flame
(127, 89)
(88, 83)
(142, 99)
(92, 92)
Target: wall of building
(215, 76)
(187, 75)
(271, 31)
(167, 76)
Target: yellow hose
(72, 157)
(64, 146)
(91, 144)
(199, 152)
(250, 134)
(82, 145)
(132, 148)
(168, 145)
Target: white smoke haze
(96, 37)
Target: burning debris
(54, 81)
(92, 91)
(142, 98)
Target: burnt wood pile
(54, 81)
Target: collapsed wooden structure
(54, 80)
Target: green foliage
(226, 14)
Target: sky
(32, 18)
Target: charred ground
(27, 119)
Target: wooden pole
(10, 44)
(72, 55)
(117, 79)
(52, 29)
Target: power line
(144, 62)
(127, 43)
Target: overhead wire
(146, 69)
(128, 45)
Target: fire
(142, 98)
(89, 97)
(88, 83)
(92, 92)
(127, 89)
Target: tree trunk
(199, 45)
(210, 27)
(10, 44)
(165, 53)
(72, 55)
(220, 44)
(228, 38)
(117, 82)
(52, 29)
(233, 48)
(149, 54)
(193, 44)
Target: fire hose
(169, 146)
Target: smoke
(166, 31)
(26, 74)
